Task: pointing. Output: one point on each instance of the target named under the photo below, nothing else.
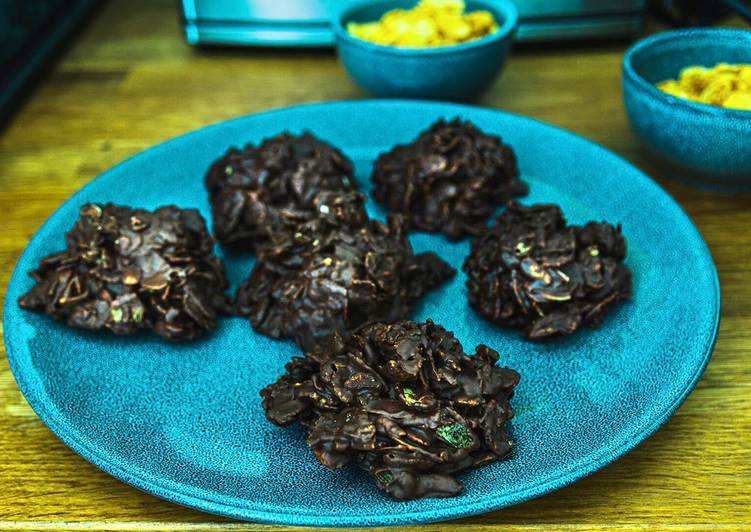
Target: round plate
(184, 421)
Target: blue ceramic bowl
(459, 72)
(700, 144)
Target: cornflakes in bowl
(694, 120)
(723, 85)
(430, 23)
(437, 49)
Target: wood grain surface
(129, 81)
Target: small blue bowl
(458, 72)
(700, 144)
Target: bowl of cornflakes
(688, 96)
(436, 49)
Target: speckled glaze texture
(185, 422)
(458, 72)
(701, 144)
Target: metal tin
(306, 22)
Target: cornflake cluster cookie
(533, 272)
(449, 180)
(334, 272)
(129, 269)
(252, 189)
(402, 401)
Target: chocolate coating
(449, 180)
(532, 271)
(250, 190)
(334, 272)
(129, 269)
(402, 401)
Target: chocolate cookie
(334, 272)
(402, 401)
(449, 180)
(129, 269)
(533, 272)
(251, 189)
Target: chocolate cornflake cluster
(532, 271)
(252, 189)
(129, 269)
(334, 272)
(402, 401)
(449, 180)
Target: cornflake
(430, 23)
(723, 85)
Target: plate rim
(186, 496)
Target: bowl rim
(506, 29)
(630, 73)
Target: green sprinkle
(522, 248)
(594, 252)
(117, 313)
(137, 313)
(228, 170)
(384, 477)
(455, 435)
(409, 395)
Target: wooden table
(130, 81)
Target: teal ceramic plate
(184, 421)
